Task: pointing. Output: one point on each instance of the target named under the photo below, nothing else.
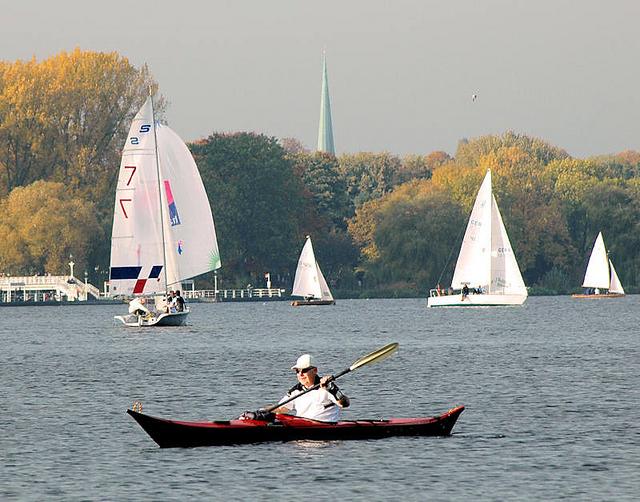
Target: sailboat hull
(599, 296)
(472, 300)
(164, 319)
(303, 303)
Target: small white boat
(309, 282)
(486, 273)
(157, 319)
(600, 279)
(163, 231)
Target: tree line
(382, 225)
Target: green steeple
(325, 129)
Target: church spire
(325, 128)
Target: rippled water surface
(552, 391)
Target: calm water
(552, 391)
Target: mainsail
(163, 230)
(473, 267)
(597, 274)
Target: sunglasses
(303, 371)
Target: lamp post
(71, 264)
(85, 286)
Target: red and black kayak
(174, 433)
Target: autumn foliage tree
(41, 225)
(64, 119)
(407, 236)
(368, 175)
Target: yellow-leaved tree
(41, 225)
(65, 119)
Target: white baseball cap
(304, 361)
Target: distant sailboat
(486, 272)
(600, 279)
(163, 231)
(309, 282)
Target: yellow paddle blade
(375, 356)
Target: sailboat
(309, 282)
(163, 231)
(600, 279)
(486, 272)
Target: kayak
(174, 433)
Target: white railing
(233, 294)
(31, 285)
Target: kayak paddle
(373, 357)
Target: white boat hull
(471, 300)
(164, 319)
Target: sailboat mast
(155, 146)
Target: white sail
(324, 288)
(505, 273)
(473, 267)
(597, 274)
(190, 237)
(307, 282)
(615, 285)
(163, 230)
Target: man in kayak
(324, 403)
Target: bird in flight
(474, 96)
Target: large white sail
(145, 257)
(137, 254)
(190, 236)
(615, 285)
(307, 280)
(597, 274)
(474, 261)
(505, 273)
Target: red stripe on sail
(139, 287)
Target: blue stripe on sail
(125, 272)
(155, 272)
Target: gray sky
(401, 72)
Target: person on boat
(465, 291)
(178, 301)
(138, 307)
(170, 302)
(162, 304)
(324, 403)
